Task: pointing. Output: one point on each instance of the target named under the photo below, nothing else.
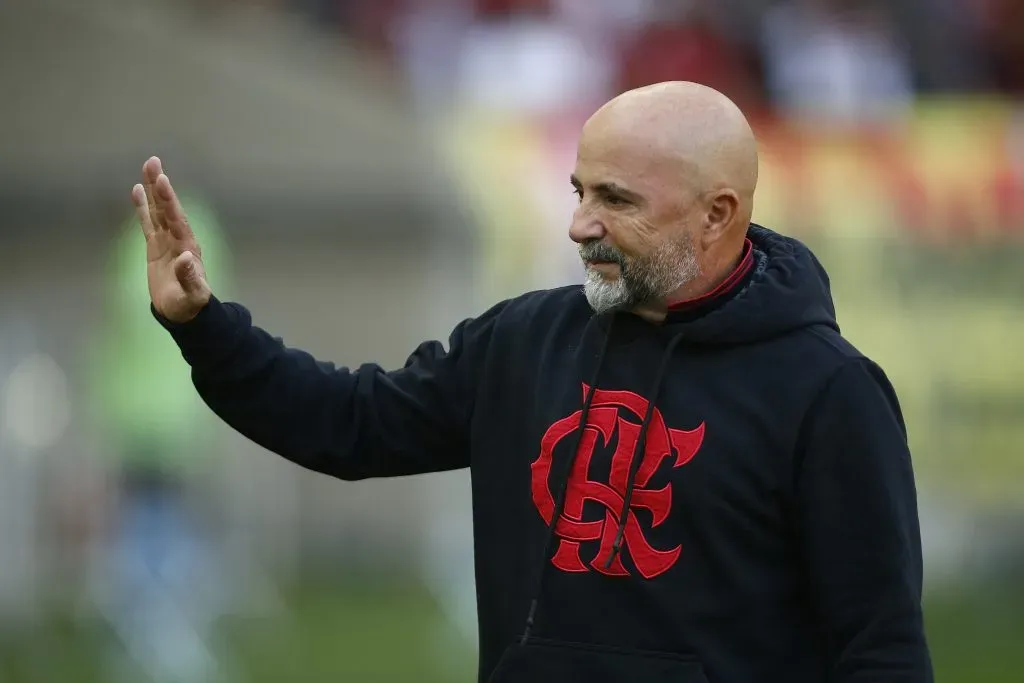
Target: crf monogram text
(608, 419)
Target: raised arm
(352, 424)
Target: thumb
(189, 272)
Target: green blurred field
(388, 632)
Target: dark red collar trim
(727, 285)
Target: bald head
(691, 125)
(666, 176)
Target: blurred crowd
(824, 60)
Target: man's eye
(612, 200)
(578, 192)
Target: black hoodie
(770, 532)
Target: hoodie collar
(786, 289)
(691, 309)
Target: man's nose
(586, 228)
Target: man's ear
(721, 210)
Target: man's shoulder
(529, 316)
(538, 299)
(545, 305)
(829, 350)
(831, 343)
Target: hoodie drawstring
(634, 466)
(641, 445)
(560, 501)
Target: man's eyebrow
(609, 188)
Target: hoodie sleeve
(860, 531)
(351, 424)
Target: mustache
(598, 251)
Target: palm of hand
(177, 281)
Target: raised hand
(177, 280)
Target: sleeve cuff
(210, 333)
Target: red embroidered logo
(607, 418)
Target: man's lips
(607, 266)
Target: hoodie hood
(788, 290)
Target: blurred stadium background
(366, 173)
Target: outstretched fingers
(171, 210)
(151, 171)
(142, 211)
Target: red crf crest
(607, 418)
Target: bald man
(739, 506)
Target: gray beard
(640, 281)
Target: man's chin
(606, 271)
(606, 295)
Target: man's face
(633, 223)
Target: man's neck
(704, 290)
(712, 279)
